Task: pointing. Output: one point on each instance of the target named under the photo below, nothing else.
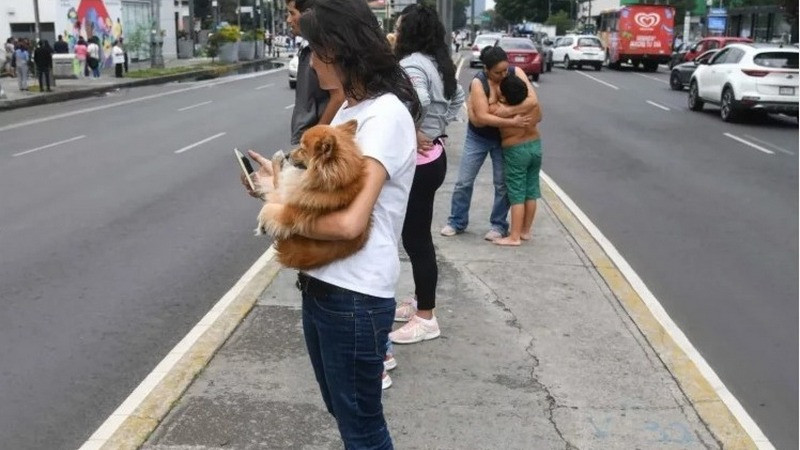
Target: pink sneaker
(405, 310)
(416, 330)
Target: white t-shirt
(385, 133)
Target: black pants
(44, 77)
(118, 70)
(417, 239)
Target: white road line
(229, 79)
(746, 142)
(186, 108)
(663, 317)
(780, 149)
(126, 409)
(289, 106)
(49, 145)
(657, 105)
(596, 79)
(265, 86)
(189, 147)
(460, 65)
(653, 78)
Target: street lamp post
(37, 28)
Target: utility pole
(37, 29)
(472, 21)
(191, 23)
(215, 6)
(445, 10)
(239, 14)
(156, 40)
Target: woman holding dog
(423, 54)
(348, 305)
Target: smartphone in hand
(247, 168)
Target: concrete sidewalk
(536, 352)
(71, 88)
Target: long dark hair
(346, 33)
(421, 31)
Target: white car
(295, 61)
(579, 50)
(747, 77)
(481, 42)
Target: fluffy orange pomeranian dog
(323, 175)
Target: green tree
(496, 20)
(518, 11)
(562, 22)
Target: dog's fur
(334, 174)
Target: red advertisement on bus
(638, 34)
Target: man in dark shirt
(60, 46)
(312, 104)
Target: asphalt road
(114, 245)
(708, 222)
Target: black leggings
(417, 239)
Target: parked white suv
(755, 77)
(579, 50)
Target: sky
(489, 4)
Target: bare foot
(526, 236)
(507, 241)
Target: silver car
(293, 70)
(481, 42)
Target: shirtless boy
(522, 159)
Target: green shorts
(522, 163)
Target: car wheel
(650, 66)
(535, 77)
(292, 84)
(598, 67)
(550, 66)
(675, 82)
(695, 103)
(567, 64)
(727, 110)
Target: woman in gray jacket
(424, 55)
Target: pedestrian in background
(80, 58)
(312, 104)
(483, 139)
(118, 57)
(21, 59)
(8, 64)
(43, 58)
(93, 57)
(423, 54)
(60, 45)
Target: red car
(710, 43)
(523, 54)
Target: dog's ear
(349, 127)
(325, 146)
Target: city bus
(638, 35)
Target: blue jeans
(476, 148)
(346, 334)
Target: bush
(254, 35)
(183, 34)
(226, 34)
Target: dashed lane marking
(208, 139)
(746, 142)
(597, 79)
(50, 145)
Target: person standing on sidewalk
(348, 305)
(483, 138)
(423, 54)
(9, 65)
(80, 58)
(312, 104)
(60, 46)
(118, 56)
(22, 57)
(43, 58)
(522, 156)
(93, 57)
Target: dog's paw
(267, 221)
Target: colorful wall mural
(91, 19)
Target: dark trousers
(118, 70)
(417, 239)
(44, 77)
(346, 334)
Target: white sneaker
(389, 364)
(405, 310)
(416, 330)
(386, 381)
(448, 231)
(492, 235)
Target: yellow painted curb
(137, 427)
(722, 424)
